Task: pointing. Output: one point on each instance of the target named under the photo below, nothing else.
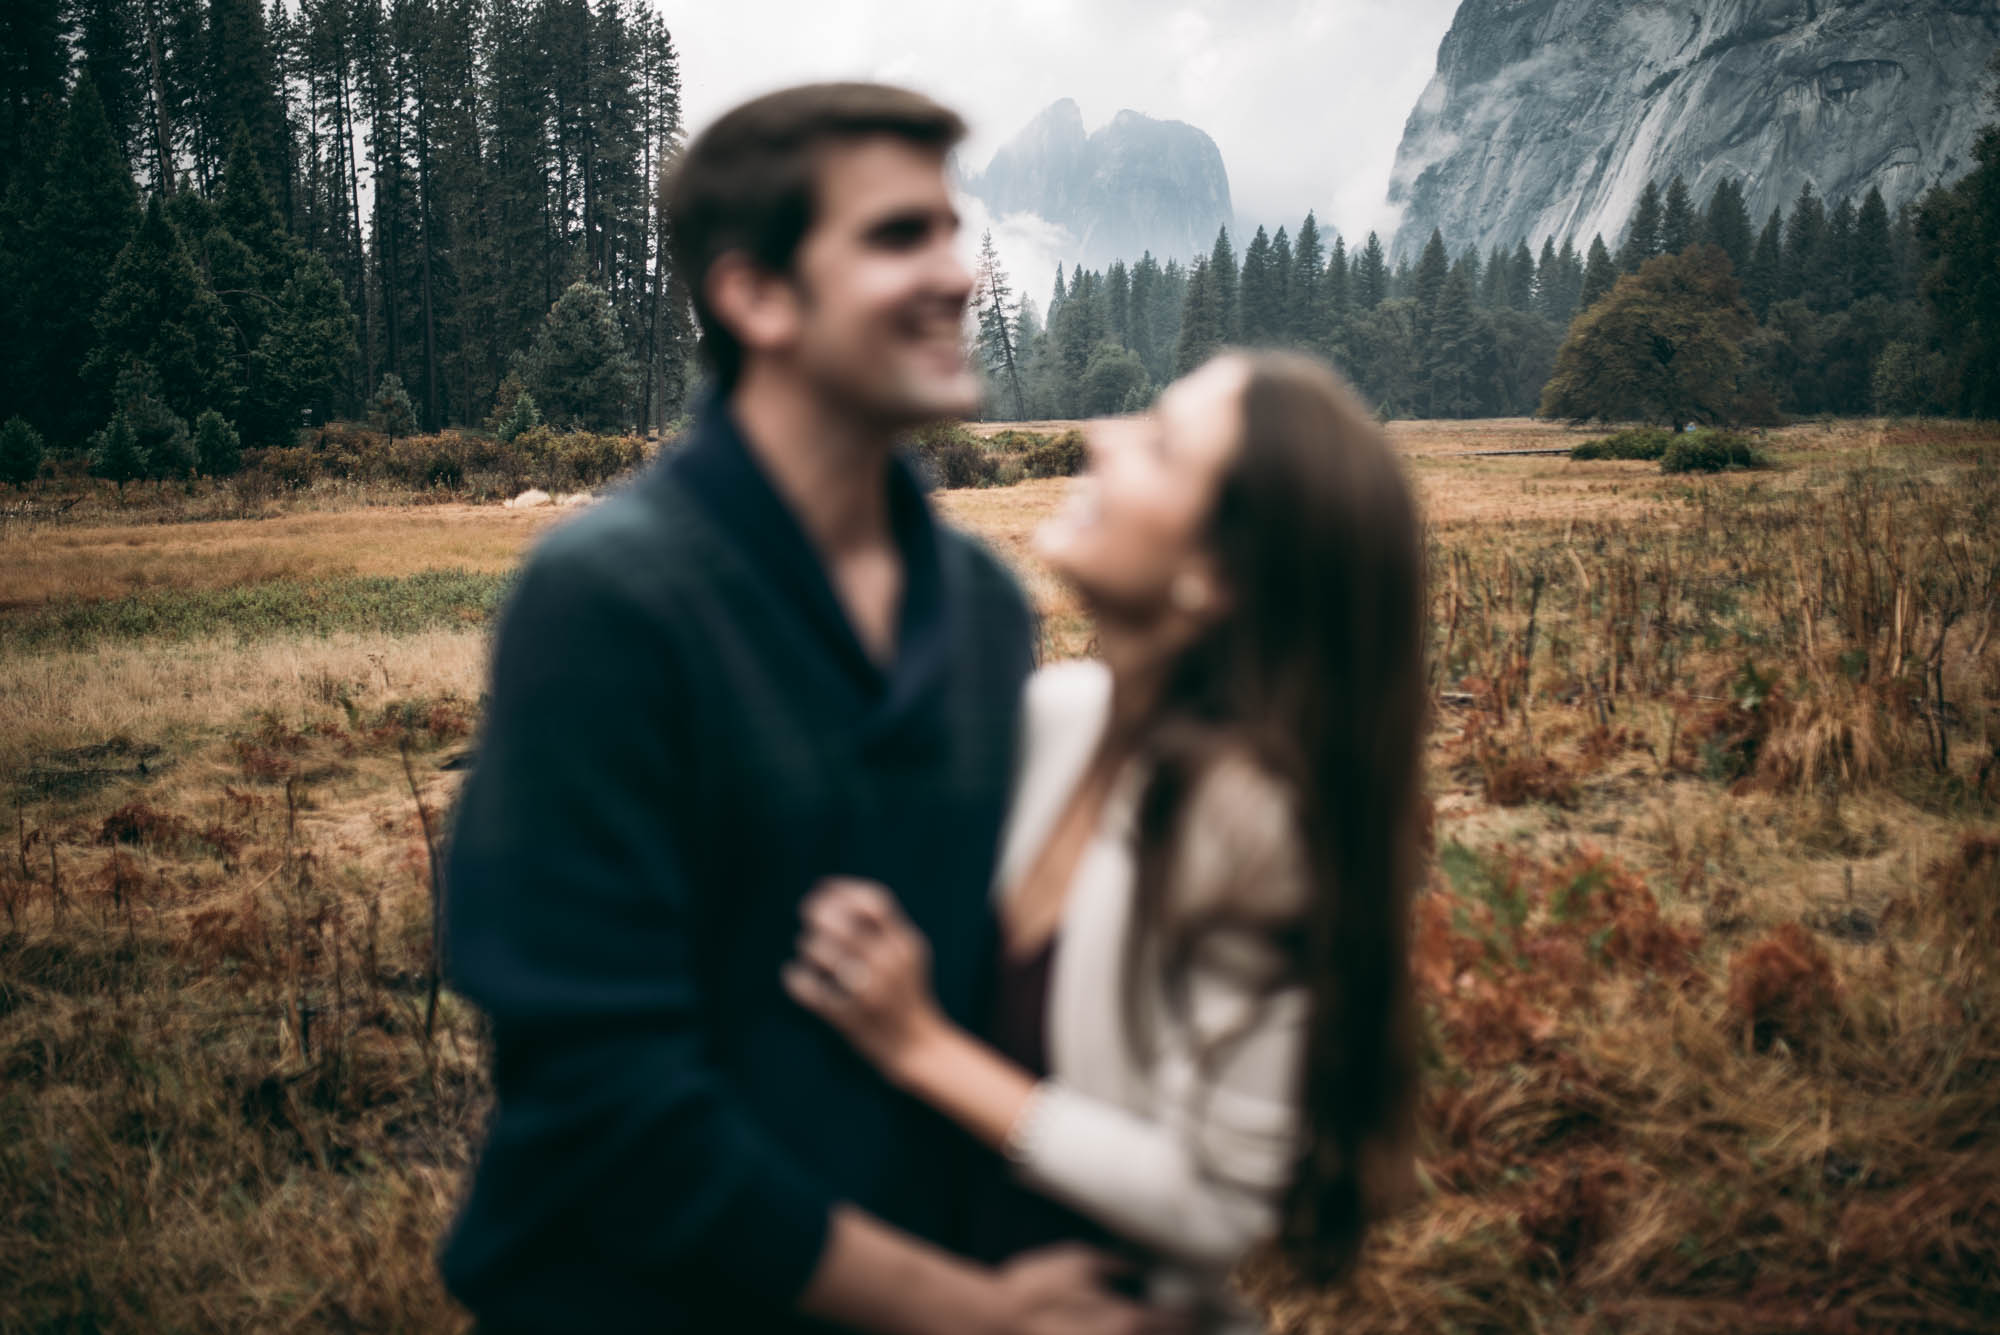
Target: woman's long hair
(1315, 673)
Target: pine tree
(997, 311)
(1307, 293)
(1958, 232)
(1805, 249)
(1201, 319)
(1549, 283)
(1874, 257)
(1258, 294)
(306, 353)
(1336, 303)
(1836, 270)
(389, 408)
(1493, 285)
(1763, 282)
(1521, 278)
(162, 433)
(1118, 303)
(159, 315)
(1432, 269)
(578, 368)
(1449, 364)
(1057, 297)
(218, 451)
(522, 415)
(20, 452)
(1727, 225)
(1281, 283)
(1642, 237)
(1571, 265)
(1371, 275)
(115, 455)
(77, 222)
(1599, 274)
(1222, 276)
(1679, 228)
(1145, 333)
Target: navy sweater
(683, 735)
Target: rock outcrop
(1548, 117)
(1134, 185)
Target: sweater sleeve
(568, 916)
(1200, 1179)
(1199, 1173)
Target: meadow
(1707, 952)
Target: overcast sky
(1306, 100)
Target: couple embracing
(845, 971)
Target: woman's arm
(866, 971)
(1200, 1183)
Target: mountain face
(1137, 184)
(1548, 117)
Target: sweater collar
(718, 467)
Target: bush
(950, 456)
(1709, 452)
(1058, 456)
(1644, 442)
(218, 452)
(20, 452)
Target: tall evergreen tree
(1679, 228)
(1222, 276)
(160, 319)
(1433, 267)
(1802, 269)
(1599, 274)
(1259, 321)
(1146, 336)
(1958, 229)
(994, 296)
(1281, 282)
(62, 247)
(1763, 283)
(1371, 275)
(1201, 319)
(578, 367)
(1521, 278)
(20, 452)
(1337, 303)
(1450, 370)
(1306, 295)
(1726, 224)
(1873, 252)
(1642, 236)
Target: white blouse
(1189, 1162)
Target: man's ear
(759, 307)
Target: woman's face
(1134, 524)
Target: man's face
(880, 288)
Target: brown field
(1708, 954)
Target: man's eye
(900, 235)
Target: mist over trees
(210, 206)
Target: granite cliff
(1548, 117)
(1133, 185)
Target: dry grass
(46, 564)
(1710, 958)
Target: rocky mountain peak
(1548, 117)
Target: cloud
(1305, 98)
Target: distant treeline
(1850, 309)
(208, 208)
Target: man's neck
(829, 466)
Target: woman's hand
(865, 970)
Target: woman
(1203, 1039)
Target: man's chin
(937, 399)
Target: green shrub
(1709, 452)
(1013, 440)
(20, 452)
(218, 451)
(1058, 456)
(950, 456)
(1644, 442)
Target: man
(761, 664)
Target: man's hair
(748, 182)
